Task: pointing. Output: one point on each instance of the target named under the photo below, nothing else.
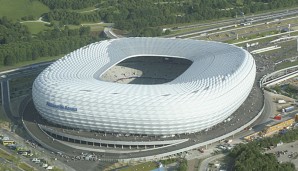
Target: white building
(72, 93)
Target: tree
(9, 60)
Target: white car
(50, 167)
(222, 147)
(35, 160)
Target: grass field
(286, 65)
(6, 156)
(25, 167)
(73, 26)
(16, 9)
(141, 167)
(36, 27)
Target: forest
(17, 44)
(146, 17)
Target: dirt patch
(193, 165)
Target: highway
(224, 25)
(242, 30)
(255, 18)
(230, 23)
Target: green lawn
(25, 167)
(6, 156)
(286, 65)
(73, 26)
(56, 169)
(36, 27)
(16, 9)
(141, 167)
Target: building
(151, 86)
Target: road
(40, 151)
(268, 110)
(110, 34)
(258, 28)
(36, 21)
(6, 98)
(229, 23)
(255, 18)
(260, 38)
(89, 10)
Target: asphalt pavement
(6, 98)
(36, 149)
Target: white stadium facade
(150, 86)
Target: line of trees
(71, 17)
(17, 44)
(138, 16)
(13, 53)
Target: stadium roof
(212, 88)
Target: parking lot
(286, 153)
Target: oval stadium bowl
(153, 86)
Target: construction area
(281, 127)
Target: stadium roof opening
(146, 70)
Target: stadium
(147, 86)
